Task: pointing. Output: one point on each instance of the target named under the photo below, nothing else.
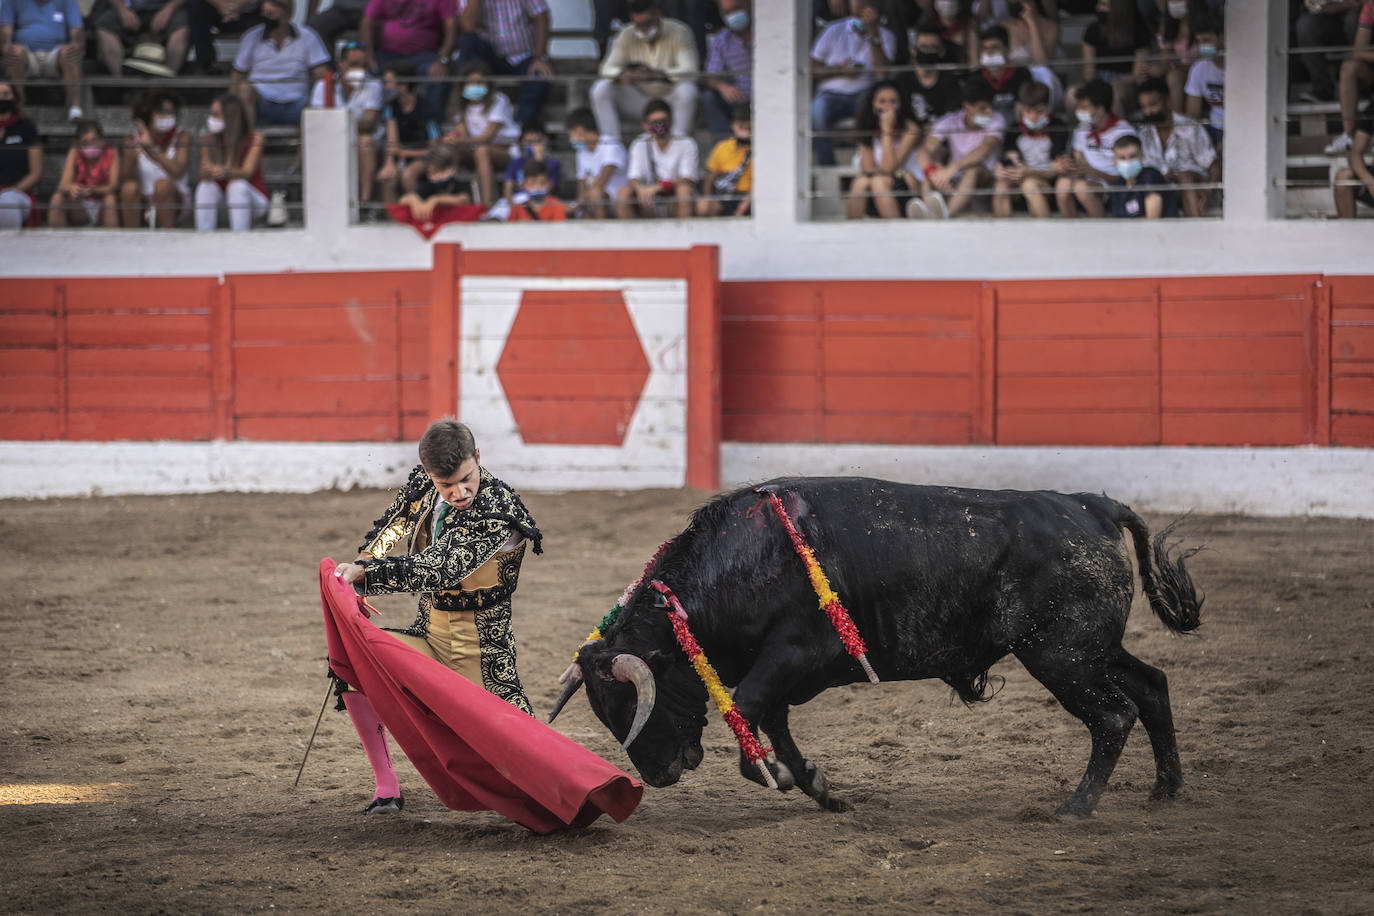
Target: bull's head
(652, 702)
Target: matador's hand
(352, 573)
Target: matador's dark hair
(445, 446)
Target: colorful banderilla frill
(600, 629)
(830, 602)
(748, 744)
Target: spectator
(512, 38)
(1136, 193)
(1094, 163)
(437, 185)
(934, 93)
(156, 160)
(1035, 155)
(1324, 23)
(211, 18)
(485, 130)
(887, 160)
(537, 199)
(125, 21)
(1034, 30)
(230, 168)
(695, 14)
(843, 58)
(85, 194)
(408, 131)
(653, 57)
(1353, 183)
(970, 141)
(44, 39)
(1174, 41)
(342, 16)
(1357, 72)
(600, 165)
(21, 161)
(421, 33)
(1207, 78)
(360, 93)
(663, 167)
(1175, 145)
(275, 64)
(729, 173)
(534, 147)
(959, 29)
(1006, 81)
(1120, 31)
(729, 79)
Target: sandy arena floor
(163, 663)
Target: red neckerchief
(1096, 132)
(1034, 134)
(7, 122)
(1007, 74)
(162, 140)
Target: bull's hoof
(1074, 810)
(818, 787)
(786, 781)
(1166, 791)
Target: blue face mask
(856, 23)
(737, 21)
(579, 147)
(1129, 169)
(475, 93)
(1207, 51)
(538, 195)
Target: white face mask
(164, 122)
(1084, 117)
(1178, 8)
(648, 34)
(993, 61)
(355, 77)
(214, 125)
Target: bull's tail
(1163, 574)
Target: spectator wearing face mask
(512, 37)
(436, 186)
(421, 33)
(360, 93)
(652, 58)
(663, 168)
(695, 14)
(1207, 79)
(1174, 41)
(843, 59)
(969, 142)
(958, 28)
(1034, 156)
(729, 79)
(537, 200)
(485, 131)
(44, 39)
(886, 158)
(1006, 81)
(1094, 164)
(601, 164)
(275, 64)
(533, 147)
(408, 130)
(1174, 145)
(1355, 183)
(156, 160)
(729, 170)
(934, 93)
(85, 195)
(21, 161)
(230, 169)
(1135, 191)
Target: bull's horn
(571, 679)
(633, 669)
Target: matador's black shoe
(385, 805)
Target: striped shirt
(731, 57)
(508, 26)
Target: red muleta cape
(477, 752)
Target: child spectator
(422, 33)
(21, 161)
(1357, 73)
(85, 195)
(230, 168)
(437, 186)
(729, 80)
(274, 66)
(1136, 192)
(1119, 32)
(408, 130)
(124, 22)
(600, 165)
(970, 143)
(156, 159)
(934, 93)
(843, 59)
(485, 130)
(537, 200)
(1207, 77)
(662, 166)
(1175, 145)
(1357, 169)
(512, 37)
(1006, 81)
(729, 173)
(44, 39)
(652, 57)
(360, 93)
(1035, 155)
(887, 160)
(1094, 163)
(534, 147)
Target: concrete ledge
(1243, 481)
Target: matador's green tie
(439, 520)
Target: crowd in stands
(948, 107)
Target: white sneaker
(937, 206)
(916, 209)
(75, 113)
(276, 209)
(1339, 146)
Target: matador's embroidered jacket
(464, 568)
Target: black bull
(941, 583)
